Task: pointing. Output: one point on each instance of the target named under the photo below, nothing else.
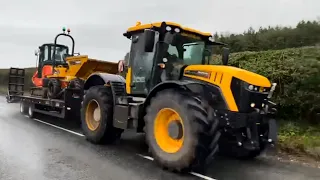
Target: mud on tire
(201, 133)
(105, 133)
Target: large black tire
(54, 88)
(105, 133)
(201, 133)
(23, 107)
(30, 113)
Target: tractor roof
(141, 27)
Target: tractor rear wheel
(54, 88)
(97, 116)
(195, 138)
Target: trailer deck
(66, 107)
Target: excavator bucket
(83, 67)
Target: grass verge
(299, 139)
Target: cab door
(140, 66)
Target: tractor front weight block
(249, 129)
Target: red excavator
(48, 59)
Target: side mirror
(149, 40)
(36, 53)
(225, 55)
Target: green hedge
(297, 73)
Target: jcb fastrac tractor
(188, 109)
(58, 68)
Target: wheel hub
(96, 114)
(175, 129)
(93, 115)
(169, 130)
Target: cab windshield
(187, 50)
(60, 53)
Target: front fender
(102, 78)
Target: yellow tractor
(58, 69)
(188, 109)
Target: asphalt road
(47, 148)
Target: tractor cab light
(63, 29)
(68, 30)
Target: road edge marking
(58, 127)
(192, 173)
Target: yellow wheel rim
(93, 115)
(162, 122)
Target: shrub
(297, 73)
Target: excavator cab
(46, 58)
(52, 58)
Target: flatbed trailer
(66, 107)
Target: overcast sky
(97, 25)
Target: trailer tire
(23, 107)
(200, 134)
(31, 111)
(98, 101)
(54, 88)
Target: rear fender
(101, 79)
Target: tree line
(305, 33)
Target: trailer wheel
(97, 116)
(54, 88)
(196, 138)
(30, 111)
(23, 107)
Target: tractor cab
(160, 51)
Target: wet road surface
(48, 148)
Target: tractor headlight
(255, 88)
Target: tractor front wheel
(179, 133)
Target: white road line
(145, 157)
(67, 130)
(192, 173)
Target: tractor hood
(218, 74)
